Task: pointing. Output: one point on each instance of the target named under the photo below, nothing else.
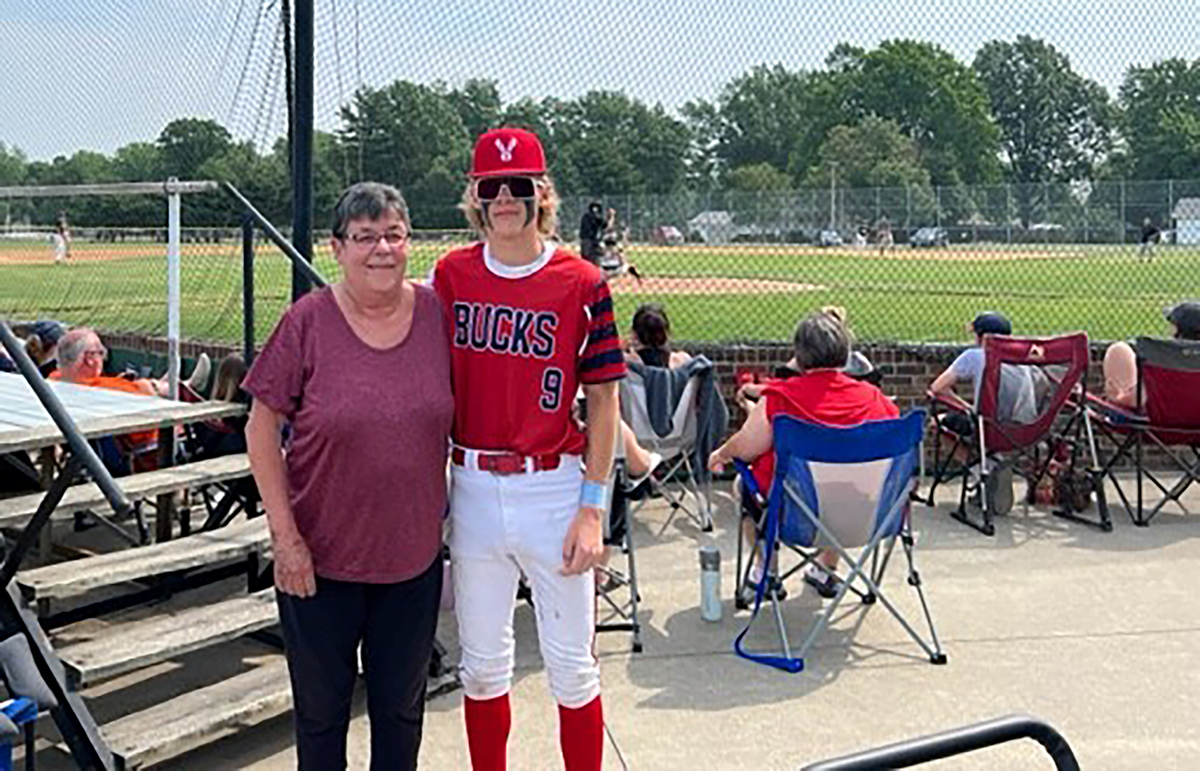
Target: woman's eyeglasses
(488, 189)
(368, 240)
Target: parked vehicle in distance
(829, 238)
(927, 237)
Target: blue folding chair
(839, 488)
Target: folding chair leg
(787, 647)
(1173, 494)
(914, 580)
(634, 588)
(626, 612)
(739, 575)
(935, 653)
(703, 515)
(984, 524)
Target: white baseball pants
(501, 526)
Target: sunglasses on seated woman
(488, 189)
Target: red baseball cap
(506, 152)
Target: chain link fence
(728, 266)
(757, 159)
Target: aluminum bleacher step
(74, 578)
(125, 647)
(200, 717)
(17, 511)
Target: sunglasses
(488, 189)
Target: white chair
(678, 478)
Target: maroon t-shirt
(370, 429)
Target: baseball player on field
(531, 323)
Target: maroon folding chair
(1167, 417)
(997, 437)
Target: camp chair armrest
(743, 470)
(1111, 411)
(952, 402)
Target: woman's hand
(583, 548)
(293, 567)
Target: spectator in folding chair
(226, 436)
(678, 416)
(81, 358)
(846, 489)
(821, 393)
(650, 342)
(1018, 396)
(223, 437)
(1021, 386)
(1164, 414)
(42, 343)
(1120, 360)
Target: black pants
(590, 250)
(395, 623)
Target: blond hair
(547, 217)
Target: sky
(99, 74)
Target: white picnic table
(25, 424)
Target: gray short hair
(367, 200)
(822, 342)
(73, 343)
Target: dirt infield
(38, 254)
(711, 285)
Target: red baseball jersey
(523, 339)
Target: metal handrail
(290, 251)
(958, 741)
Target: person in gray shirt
(1018, 396)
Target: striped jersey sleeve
(602, 359)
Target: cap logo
(506, 150)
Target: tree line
(904, 114)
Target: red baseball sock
(581, 734)
(488, 723)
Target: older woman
(821, 393)
(361, 372)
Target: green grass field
(753, 292)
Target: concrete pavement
(1096, 633)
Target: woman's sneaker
(826, 583)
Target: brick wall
(908, 369)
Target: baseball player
(531, 323)
(1150, 236)
(886, 240)
(61, 237)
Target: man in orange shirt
(81, 361)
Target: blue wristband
(594, 495)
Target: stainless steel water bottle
(710, 583)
